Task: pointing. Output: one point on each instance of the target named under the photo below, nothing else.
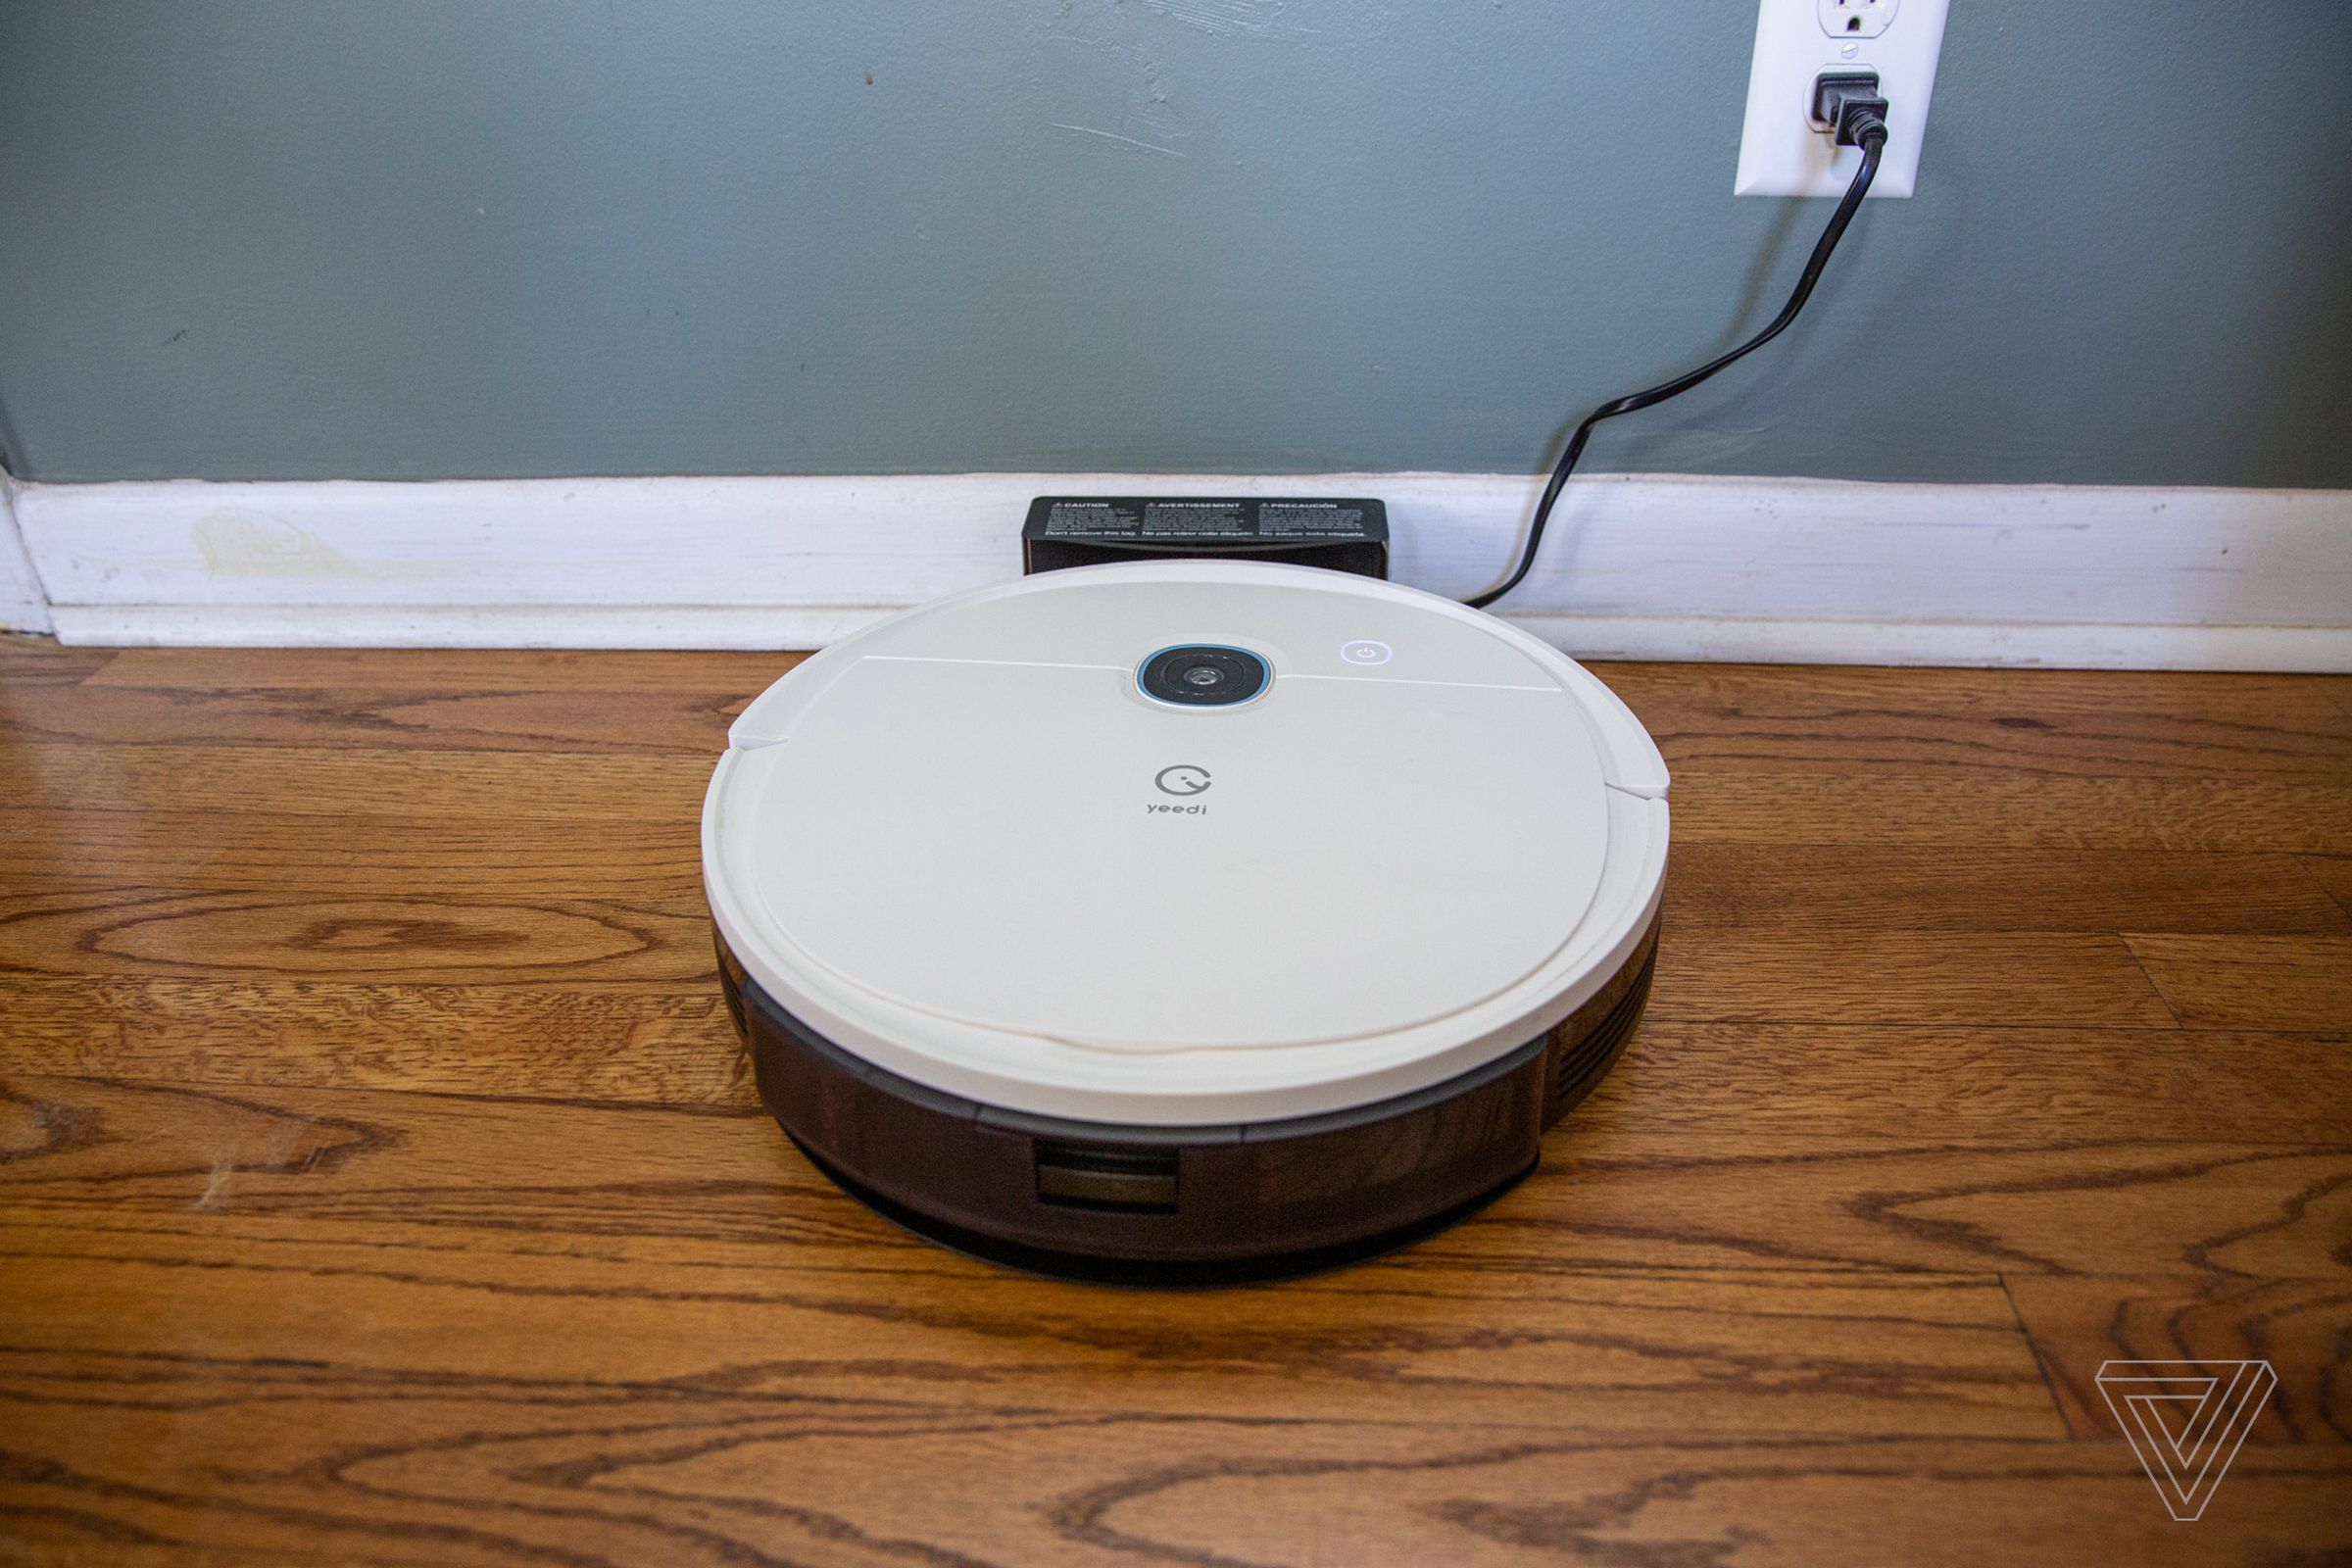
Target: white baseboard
(1639, 566)
(22, 605)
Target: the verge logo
(2187, 1420)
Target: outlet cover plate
(1780, 153)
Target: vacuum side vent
(1578, 1065)
(1130, 1180)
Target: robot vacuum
(1184, 921)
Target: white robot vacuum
(1184, 921)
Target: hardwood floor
(380, 1181)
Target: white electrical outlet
(1783, 150)
(1856, 19)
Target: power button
(1366, 653)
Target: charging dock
(1350, 535)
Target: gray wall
(408, 238)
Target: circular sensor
(1202, 675)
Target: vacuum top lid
(1025, 846)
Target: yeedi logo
(1181, 779)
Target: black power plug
(1849, 103)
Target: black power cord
(1859, 117)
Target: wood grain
(672, 1043)
(454, 674)
(2270, 982)
(635, 720)
(605, 785)
(380, 1179)
(2295, 1324)
(30, 661)
(1840, 888)
(463, 938)
(2045, 723)
(351, 852)
(1961, 811)
(485, 1471)
(1959, 1085)
(2332, 872)
(1989, 977)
